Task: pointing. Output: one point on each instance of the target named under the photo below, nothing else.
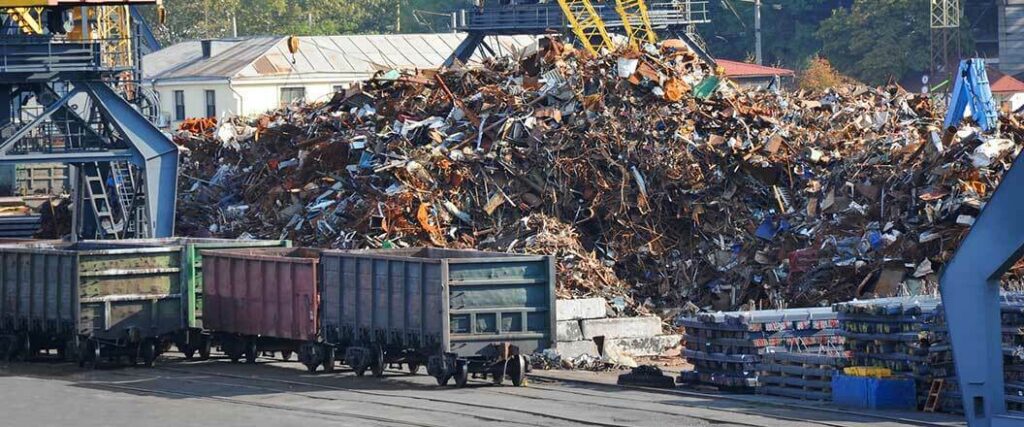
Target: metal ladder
(933, 395)
(96, 195)
(126, 193)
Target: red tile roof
(1003, 83)
(743, 69)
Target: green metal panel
(103, 291)
(192, 265)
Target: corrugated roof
(743, 69)
(351, 54)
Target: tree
(200, 19)
(787, 29)
(875, 40)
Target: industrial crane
(591, 23)
(69, 93)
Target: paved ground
(281, 394)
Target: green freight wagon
(90, 300)
(193, 339)
(458, 312)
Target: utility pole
(757, 33)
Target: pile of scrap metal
(652, 179)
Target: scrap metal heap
(655, 182)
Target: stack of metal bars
(891, 333)
(806, 376)
(726, 348)
(940, 357)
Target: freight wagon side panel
(386, 300)
(194, 249)
(501, 300)
(37, 291)
(126, 289)
(192, 264)
(269, 293)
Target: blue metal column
(970, 295)
(156, 153)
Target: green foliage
(788, 29)
(878, 39)
(197, 19)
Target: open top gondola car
(194, 339)
(90, 300)
(265, 300)
(457, 312)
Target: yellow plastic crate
(868, 371)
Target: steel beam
(9, 143)
(970, 295)
(155, 152)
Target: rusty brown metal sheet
(262, 292)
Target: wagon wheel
(442, 380)
(188, 350)
(461, 374)
(204, 348)
(251, 353)
(414, 368)
(329, 358)
(498, 375)
(286, 356)
(148, 353)
(378, 361)
(517, 370)
(26, 348)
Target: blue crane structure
(70, 93)
(535, 17)
(970, 280)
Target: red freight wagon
(265, 300)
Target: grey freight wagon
(457, 312)
(90, 300)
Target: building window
(211, 103)
(292, 94)
(179, 105)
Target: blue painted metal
(972, 88)
(970, 281)
(542, 18)
(150, 43)
(153, 151)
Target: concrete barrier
(578, 309)
(623, 327)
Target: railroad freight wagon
(90, 300)
(265, 300)
(457, 312)
(194, 339)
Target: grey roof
(353, 55)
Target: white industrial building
(249, 76)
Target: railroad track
(463, 403)
(503, 391)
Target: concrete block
(569, 330)
(622, 327)
(642, 346)
(573, 349)
(576, 309)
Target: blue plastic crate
(874, 393)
